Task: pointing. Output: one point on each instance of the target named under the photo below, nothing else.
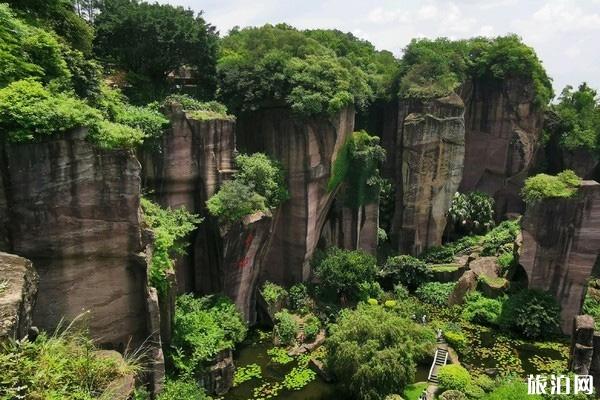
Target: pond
(254, 351)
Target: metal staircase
(439, 360)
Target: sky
(564, 33)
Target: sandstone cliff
(560, 244)
(502, 131)
(184, 169)
(306, 148)
(351, 229)
(73, 210)
(18, 291)
(425, 164)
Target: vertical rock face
(503, 128)
(351, 229)
(561, 241)
(428, 148)
(18, 290)
(305, 147)
(185, 169)
(74, 212)
(245, 245)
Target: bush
(202, 328)
(407, 270)
(286, 328)
(64, 365)
(457, 340)
(182, 389)
(264, 175)
(299, 299)
(273, 293)
(400, 292)
(472, 212)
(343, 271)
(453, 377)
(170, 228)
(500, 239)
(482, 310)
(369, 290)
(543, 186)
(435, 293)
(373, 352)
(311, 327)
(532, 313)
(234, 201)
(198, 109)
(484, 382)
(453, 395)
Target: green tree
(373, 352)
(472, 212)
(343, 271)
(149, 41)
(407, 270)
(234, 201)
(264, 175)
(531, 313)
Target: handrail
(433, 363)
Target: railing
(433, 363)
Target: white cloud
(566, 16)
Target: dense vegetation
(542, 186)
(59, 366)
(434, 68)
(257, 185)
(471, 213)
(150, 41)
(574, 122)
(313, 72)
(171, 228)
(357, 165)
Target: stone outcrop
(306, 148)
(184, 169)
(245, 244)
(582, 344)
(560, 244)
(502, 131)
(425, 163)
(219, 377)
(73, 210)
(18, 290)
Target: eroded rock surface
(74, 212)
(427, 153)
(561, 241)
(306, 148)
(351, 229)
(18, 290)
(502, 131)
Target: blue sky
(565, 33)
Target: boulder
(467, 283)
(123, 387)
(560, 245)
(447, 272)
(485, 266)
(18, 290)
(218, 379)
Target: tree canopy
(149, 41)
(313, 72)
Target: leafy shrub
(343, 271)
(299, 299)
(532, 313)
(63, 365)
(407, 270)
(505, 260)
(484, 382)
(286, 327)
(472, 212)
(170, 228)
(373, 352)
(109, 135)
(511, 390)
(246, 373)
(435, 293)
(457, 340)
(272, 293)
(191, 104)
(202, 328)
(234, 201)
(311, 327)
(400, 292)
(482, 310)
(182, 389)
(453, 395)
(357, 165)
(500, 239)
(390, 303)
(542, 186)
(264, 175)
(453, 377)
(369, 290)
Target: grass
(207, 115)
(3, 285)
(63, 365)
(413, 391)
(495, 282)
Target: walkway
(439, 360)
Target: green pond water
(254, 351)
